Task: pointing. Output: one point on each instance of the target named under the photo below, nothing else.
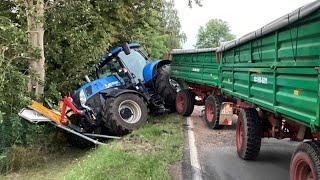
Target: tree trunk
(35, 22)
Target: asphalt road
(219, 160)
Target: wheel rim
(239, 134)
(175, 85)
(180, 103)
(302, 168)
(209, 113)
(130, 111)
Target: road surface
(218, 158)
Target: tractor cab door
(134, 62)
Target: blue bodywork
(149, 71)
(94, 87)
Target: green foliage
(14, 56)
(214, 32)
(76, 35)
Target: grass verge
(144, 154)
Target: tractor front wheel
(166, 87)
(305, 161)
(124, 113)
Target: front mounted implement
(36, 113)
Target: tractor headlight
(82, 97)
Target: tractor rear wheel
(124, 113)
(305, 161)
(164, 87)
(212, 111)
(185, 102)
(248, 134)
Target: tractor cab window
(134, 62)
(109, 68)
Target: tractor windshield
(134, 62)
(109, 68)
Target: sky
(243, 16)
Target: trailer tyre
(124, 113)
(305, 161)
(248, 134)
(185, 102)
(164, 87)
(212, 111)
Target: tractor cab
(127, 62)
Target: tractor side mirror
(126, 48)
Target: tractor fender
(150, 70)
(115, 92)
(162, 63)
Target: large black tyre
(212, 111)
(164, 88)
(124, 113)
(305, 161)
(185, 102)
(248, 134)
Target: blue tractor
(127, 88)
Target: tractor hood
(92, 88)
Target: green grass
(144, 154)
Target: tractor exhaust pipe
(87, 78)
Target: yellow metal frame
(54, 116)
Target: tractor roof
(114, 52)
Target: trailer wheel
(184, 102)
(248, 134)
(305, 161)
(212, 111)
(165, 88)
(124, 113)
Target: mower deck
(37, 114)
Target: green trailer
(195, 66)
(271, 79)
(197, 72)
